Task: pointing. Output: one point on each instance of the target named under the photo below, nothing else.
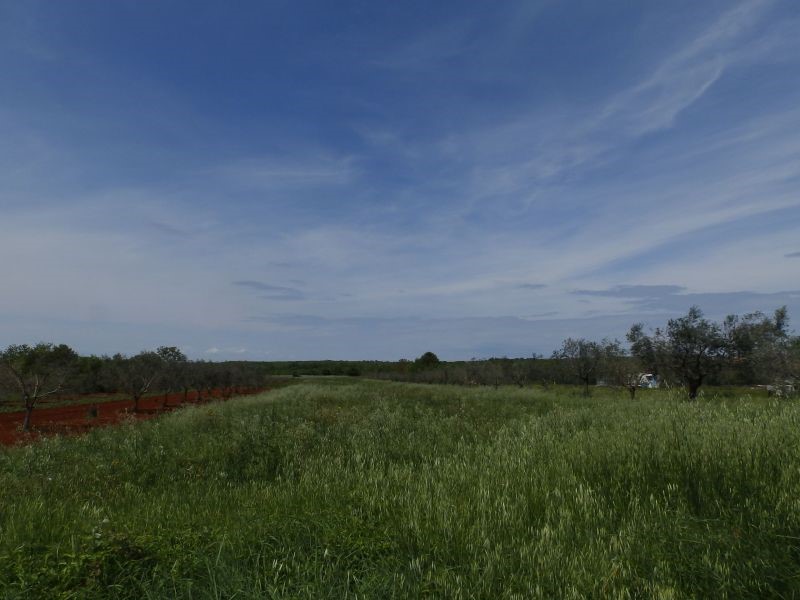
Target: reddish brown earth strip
(80, 418)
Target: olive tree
(137, 374)
(427, 361)
(197, 377)
(643, 349)
(585, 358)
(690, 348)
(759, 346)
(619, 370)
(37, 372)
(520, 371)
(208, 378)
(173, 371)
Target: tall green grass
(382, 490)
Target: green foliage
(171, 354)
(135, 375)
(36, 372)
(427, 361)
(371, 489)
(691, 348)
(586, 358)
(760, 346)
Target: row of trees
(30, 374)
(689, 351)
(757, 348)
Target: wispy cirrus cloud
(515, 161)
(272, 173)
(675, 298)
(271, 292)
(214, 350)
(685, 76)
(486, 175)
(531, 286)
(634, 291)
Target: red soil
(78, 418)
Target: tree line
(32, 373)
(688, 351)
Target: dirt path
(79, 418)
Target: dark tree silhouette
(137, 374)
(37, 372)
(691, 348)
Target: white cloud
(682, 78)
(573, 197)
(285, 173)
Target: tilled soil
(80, 418)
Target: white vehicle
(648, 380)
(781, 389)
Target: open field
(344, 488)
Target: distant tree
(230, 375)
(196, 378)
(520, 372)
(457, 374)
(474, 371)
(643, 349)
(90, 375)
(209, 378)
(585, 358)
(250, 376)
(427, 361)
(37, 372)
(758, 346)
(489, 372)
(691, 348)
(619, 370)
(7, 386)
(137, 375)
(186, 379)
(508, 374)
(793, 362)
(173, 370)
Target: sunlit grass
(395, 490)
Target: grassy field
(365, 489)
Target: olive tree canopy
(37, 371)
(690, 348)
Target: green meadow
(365, 489)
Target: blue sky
(289, 180)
